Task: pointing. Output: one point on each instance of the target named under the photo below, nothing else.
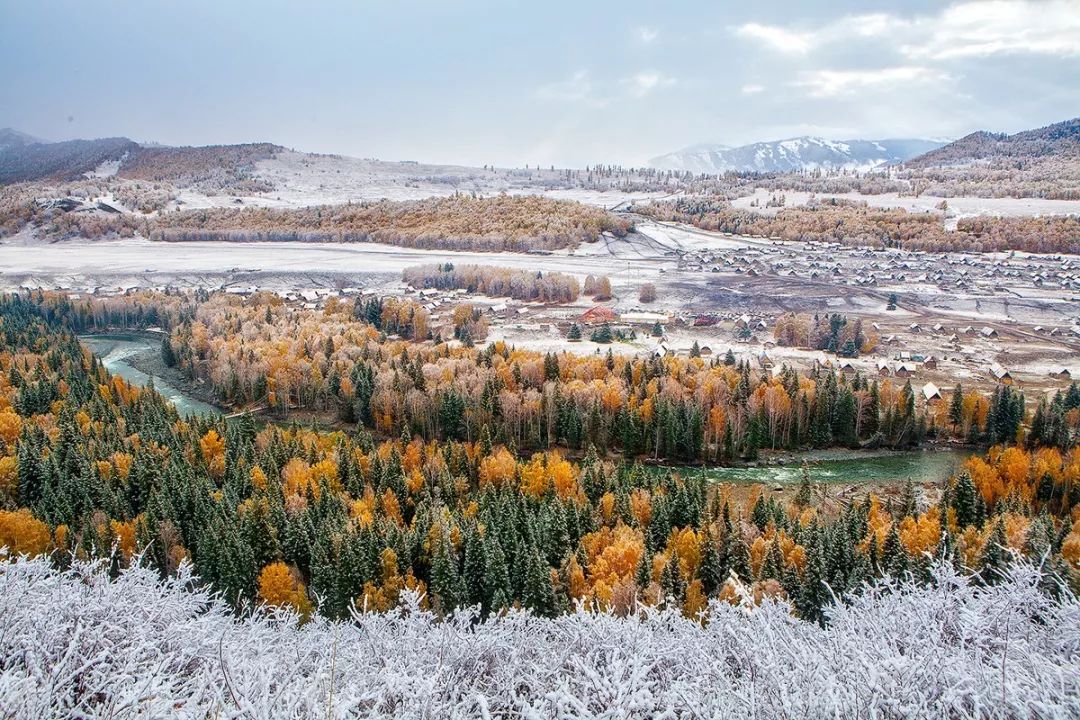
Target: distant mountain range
(794, 154)
(1059, 140)
(24, 157)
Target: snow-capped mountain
(801, 153)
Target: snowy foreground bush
(77, 644)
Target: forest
(520, 223)
(494, 281)
(370, 361)
(460, 222)
(325, 521)
(856, 224)
(362, 362)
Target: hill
(1058, 140)
(66, 160)
(24, 158)
(10, 137)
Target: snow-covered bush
(78, 644)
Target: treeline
(856, 224)
(325, 521)
(495, 281)
(133, 310)
(461, 222)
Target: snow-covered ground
(78, 644)
(301, 179)
(957, 207)
(76, 259)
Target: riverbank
(136, 357)
(838, 465)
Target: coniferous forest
(324, 521)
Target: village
(935, 319)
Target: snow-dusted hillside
(78, 644)
(801, 153)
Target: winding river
(116, 353)
(828, 466)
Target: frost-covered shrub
(77, 644)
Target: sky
(512, 83)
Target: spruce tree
(711, 571)
(804, 496)
(894, 558)
(963, 500)
(538, 594)
(996, 556)
(956, 407)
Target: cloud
(645, 82)
(998, 27)
(976, 28)
(578, 88)
(646, 35)
(777, 38)
(833, 83)
(752, 89)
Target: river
(847, 467)
(828, 466)
(116, 353)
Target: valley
(785, 429)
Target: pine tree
(804, 496)
(711, 571)
(894, 558)
(956, 407)
(909, 500)
(497, 576)
(671, 582)
(963, 500)
(739, 557)
(446, 584)
(995, 557)
(643, 573)
(538, 594)
(474, 572)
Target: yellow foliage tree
(498, 468)
(213, 452)
(9, 478)
(279, 587)
(23, 534)
(10, 427)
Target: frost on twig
(79, 644)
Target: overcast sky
(568, 83)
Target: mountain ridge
(1057, 139)
(25, 158)
(794, 154)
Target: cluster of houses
(866, 266)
